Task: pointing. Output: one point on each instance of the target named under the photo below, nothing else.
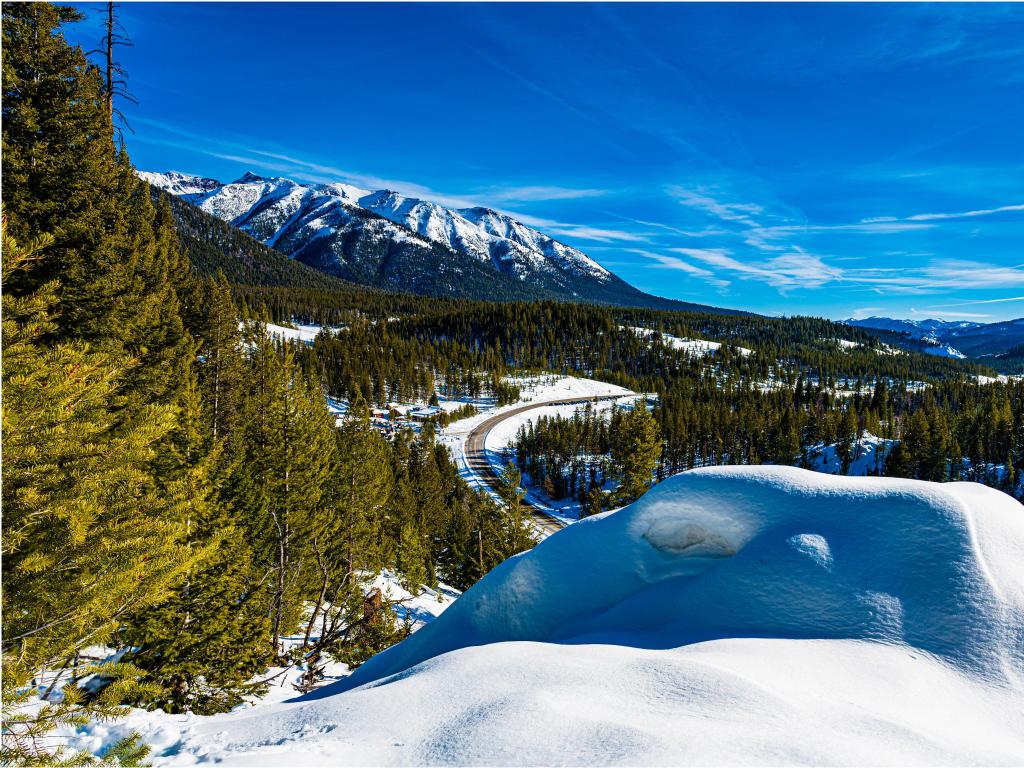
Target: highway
(476, 456)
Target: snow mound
(733, 615)
(709, 554)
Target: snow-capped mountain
(927, 330)
(386, 239)
(953, 338)
(179, 183)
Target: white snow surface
(732, 615)
(869, 454)
(299, 332)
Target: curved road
(476, 456)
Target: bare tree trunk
(110, 62)
(324, 578)
(282, 561)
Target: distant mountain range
(384, 239)
(953, 338)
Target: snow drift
(758, 615)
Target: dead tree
(115, 79)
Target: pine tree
(516, 536)
(345, 540)
(220, 352)
(88, 538)
(594, 504)
(201, 647)
(635, 452)
(285, 458)
(63, 175)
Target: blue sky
(838, 160)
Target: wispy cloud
(594, 233)
(861, 312)
(940, 313)
(988, 301)
(540, 193)
(702, 200)
(785, 272)
(965, 214)
(939, 275)
(674, 262)
(800, 270)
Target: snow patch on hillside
(868, 456)
(944, 350)
(298, 332)
(694, 347)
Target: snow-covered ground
(1000, 379)
(882, 349)
(299, 332)
(164, 732)
(499, 440)
(944, 350)
(733, 615)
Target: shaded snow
(945, 350)
(868, 456)
(732, 614)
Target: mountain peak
(248, 177)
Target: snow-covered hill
(384, 238)
(944, 350)
(735, 615)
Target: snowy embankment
(169, 736)
(734, 615)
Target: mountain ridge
(387, 240)
(952, 338)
